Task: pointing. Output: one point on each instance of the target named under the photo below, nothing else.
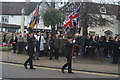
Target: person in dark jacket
(100, 49)
(110, 47)
(14, 40)
(51, 47)
(56, 46)
(36, 48)
(20, 44)
(116, 50)
(79, 42)
(87, 43)
(106, 47)
(93, 46)
(68, 53)
(31, 44)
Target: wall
(17, 20)
(0, 19)
(112, 27)
(101, 30)
(119, 27)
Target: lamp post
(22, 21)
(118, 18)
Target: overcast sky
(58, 0)
(98, 1)
(19, 0)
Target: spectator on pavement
(56, 46)
(20, 44)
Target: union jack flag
(72, 20)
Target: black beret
(69, 37)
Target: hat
(69, 37)
(30, 32)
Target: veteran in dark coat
(68, 53)
(31, 44)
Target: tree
(91, 15)
(52, 17)
(94, 19)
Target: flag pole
(34, 19)
(22, 22)
(38, 18)
(74, 37)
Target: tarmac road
(10, 70)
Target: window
(92, 33)
(5, 19)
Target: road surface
(10, 70)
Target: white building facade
(106, 30)
(16, 19)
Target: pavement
(100, 65)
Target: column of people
(95, 46)
(92, 46)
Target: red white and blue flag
(72, 20)
(35, 18)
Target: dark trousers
(20, 47)
(115, 58)
(37, 53)
(51, 53)
(69, 64)
(30, 54)
(92, 50)
(29, 60)
(41, 53)
(56, 53)
(87, 52)
(14, 47)
(106, 52)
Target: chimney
(27, 1)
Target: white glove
(26, 47)
(49, 48)
(74, 41)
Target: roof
(10, 26)
(108, 31)
(14, 8)
(93, 8)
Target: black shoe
(37, 58)
(33, 58)
(62, 70)
(33, 68)
(56, 58)
(71, 72)
(25, 65)
(50, 58)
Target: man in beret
(68, 53)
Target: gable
(14, 8)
